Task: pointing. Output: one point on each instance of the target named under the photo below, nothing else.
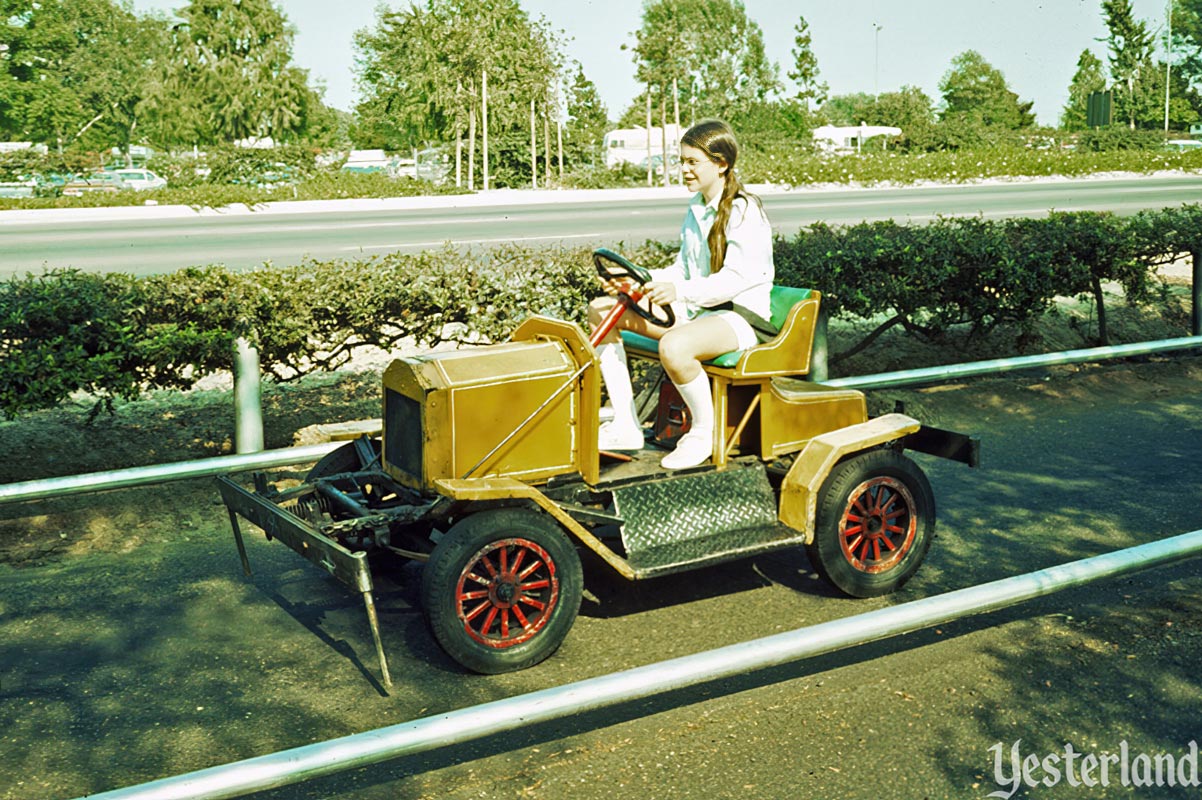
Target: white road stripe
(475, 241)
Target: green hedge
(784, 165)
(983, 273)
(114, 336)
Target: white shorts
(744, 333)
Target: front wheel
(502, 589)
(876, 519)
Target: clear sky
(1034, 43)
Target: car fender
(506, 488)
(801, 484)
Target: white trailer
(630, 146)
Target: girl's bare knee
(676, 352)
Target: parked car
(1183, 145)
(269, 176)
(657, 163)
(370, 161)
(141, 179)
(29, 186)
(94, 182)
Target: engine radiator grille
(403, 432)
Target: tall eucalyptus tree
(230, 76)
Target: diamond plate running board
(678, 523)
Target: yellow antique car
(487, 470)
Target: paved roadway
(155, 240)
(119, 667)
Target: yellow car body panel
(518, 409)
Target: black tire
(502, 589)
(892, 496)
(342, 459)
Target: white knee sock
(616, 374)
(696, 394)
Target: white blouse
(747, 271)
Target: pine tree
(1187, 39)
(805, 67)
(1131, 66)
(230, 75)
(587, 118)
(1089, 78)
(975, 92)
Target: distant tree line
(435, 74)
(91, 74)
(85, 75)
(1134, 74)
(978, 107)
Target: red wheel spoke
(517, 612)
(504, 556)
(854, 530)
(888, 503)
(475, 612)
(888, 543)
(895, 529)
(864, 548)
(530, 601)
(517, 561)
(504, 624)
(876, 549)
(471, 576)
(492, 571)
(473, 595)
(530, 569)
(539, 584)
(489, 620)
(851, 546)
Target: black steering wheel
(614, 266)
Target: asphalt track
(121, 667)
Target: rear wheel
(876, 519)
(502, 589)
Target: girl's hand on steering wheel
(619, 276)
(661, 293)
(615, 286)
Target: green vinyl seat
(794, 315)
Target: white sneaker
(693, 449)
(612, 436)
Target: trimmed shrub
(114, 336)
